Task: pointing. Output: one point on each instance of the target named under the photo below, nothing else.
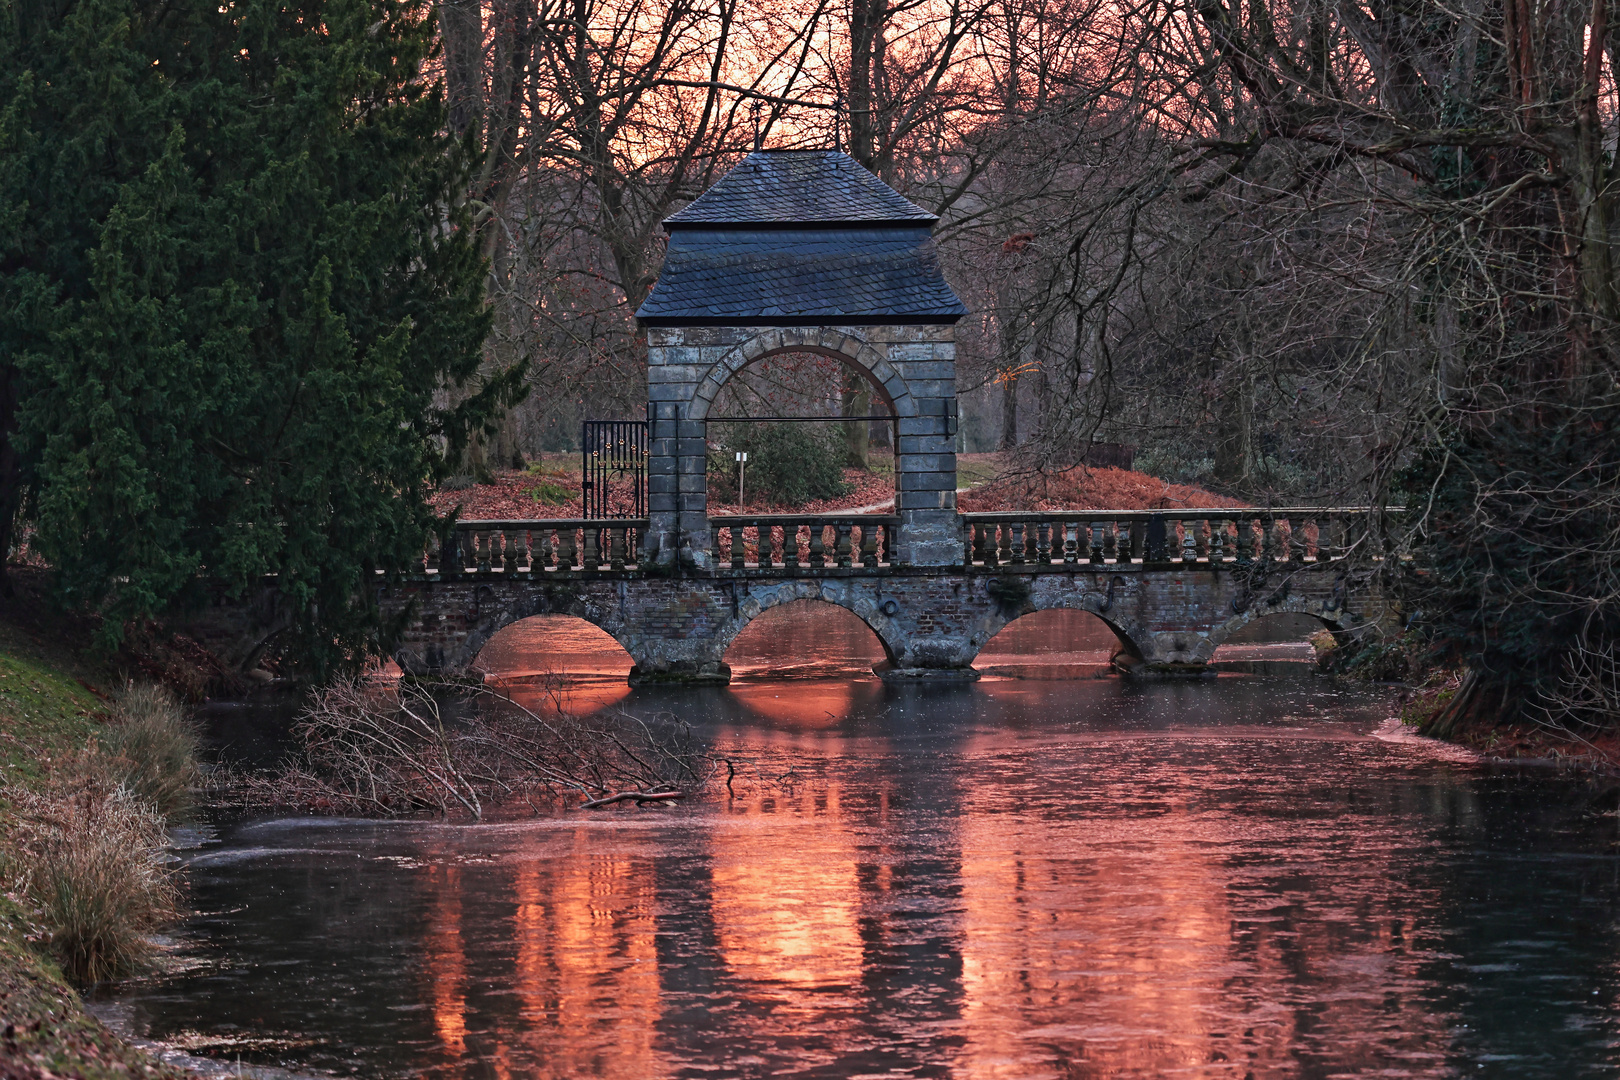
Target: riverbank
(1523, 742)
(53, 703)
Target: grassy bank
(53, 706)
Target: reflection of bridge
(806, 252)
(1172, 585)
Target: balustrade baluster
(1188, 529)
(737, 539)
(1217, 540)
(818, 546)
(1043, 542)
(515, 551)
(1003, 545)
(869, 544)
(567, 548)
(1016, 548)
(1095, 554)
(1071, 547)
(616, 547)
(1110, 539)
(591, 549)
(1200, 534)
(1138, 534)
(1331, 537)
(1268, 538)
(842, 543)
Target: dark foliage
(1519, 565)
(231, 283)
(787, 463)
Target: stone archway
(913, 368)
(1129, 633)
(848, 348)
(836, 593)
(489, 611)
(1335, 619)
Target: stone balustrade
(869, 541)
(1163, 537)
(802, 541)
(537, 547)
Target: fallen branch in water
(397, 748)
(639, 796)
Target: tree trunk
(1234, 440)
(857, 401)
(1009, 411)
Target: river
(1047, 873)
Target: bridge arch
(491, 610)
(1032, 635)
(845, 346)
(1131, 634)
(1333, 618)
(759, 601)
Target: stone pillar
(925, 458)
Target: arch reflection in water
(1211, 879)
(558, 659)
(1055, 644)
(805, 639)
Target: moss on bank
(51, 706)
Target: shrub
(151, 750)
(787, 463)
(88, 858)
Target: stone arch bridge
(805, 251)
(1171, 585)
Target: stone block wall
(931, 621)
(913, 370)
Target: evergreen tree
(234, 286)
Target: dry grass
(87, 858)
(151, 750)
(83, 847)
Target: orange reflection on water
(585, 934)
(807, 705)
(577, 696)
(786, 913)
(446, 959)
(1112, 968)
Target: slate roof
(798, 187)
(799, 277)
(765, 246)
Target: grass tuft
(151, 750)
(87, 856)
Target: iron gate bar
(613, 450)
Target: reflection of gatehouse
(806, 252)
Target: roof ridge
(788, 186)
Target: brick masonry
(913, 369)
(932, 621)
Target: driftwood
(391, 748)
(640, 797)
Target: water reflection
(1016, 878)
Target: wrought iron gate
(615, 463)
